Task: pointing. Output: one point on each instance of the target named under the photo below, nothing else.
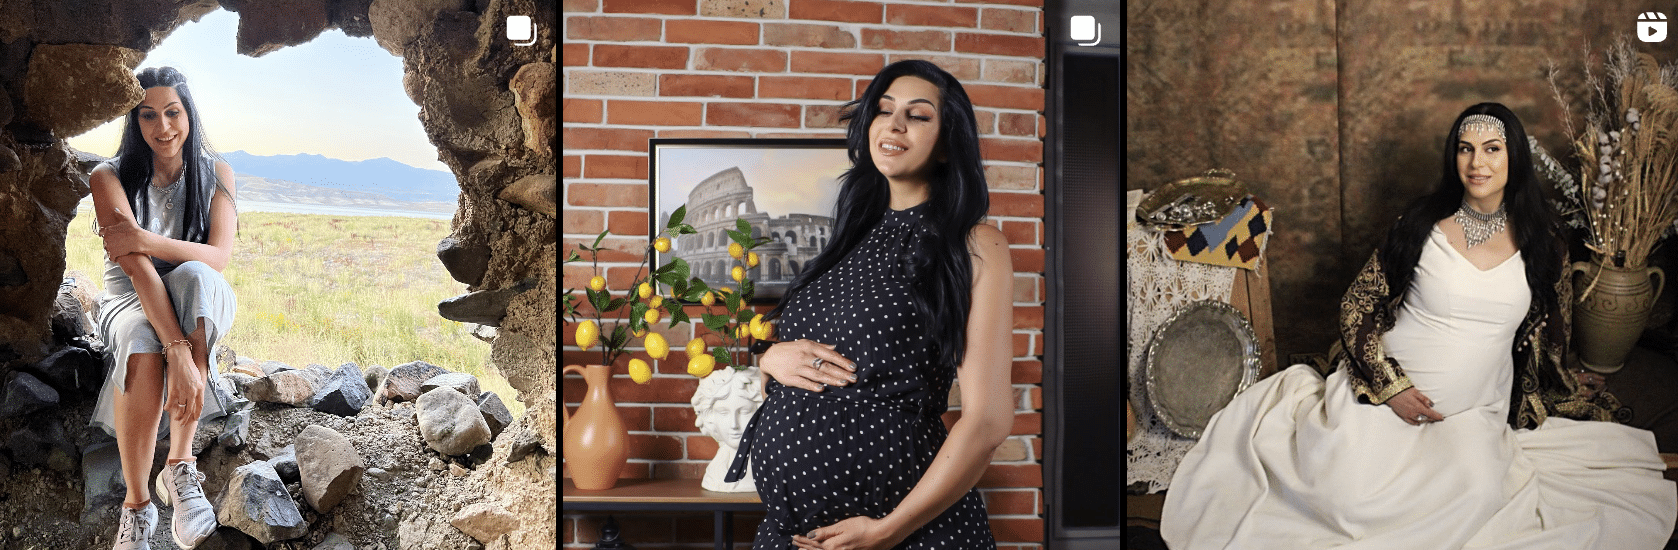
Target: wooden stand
(664, 495)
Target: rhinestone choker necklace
(1479, 227)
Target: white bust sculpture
(724, 404)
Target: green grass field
(336, 289)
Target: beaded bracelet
(187, 343)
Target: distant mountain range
(381, 176)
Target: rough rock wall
(66, 67)
(1334, 112)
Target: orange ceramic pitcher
(596, 446)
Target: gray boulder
(63, 369)
(26, 394)
(484, 521)
(334, 541)
(285, 463)
(464, 383)
(404, 381)
(343, 393)
(237, 431)
(374, 375)
(241, 382)
(101, 476)
(42, 443)
(329, 464)
(495, 413)
(256, 503)
(290, 387)
(225, 538)
(271, 367)
(451, 423)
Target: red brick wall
(639, 69)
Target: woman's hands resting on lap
(1410, 403)
(186, 384)
(124, 238)
(789, 363)
(857, 533)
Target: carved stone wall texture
(67, 66)
(1335, 112)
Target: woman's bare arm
(110, 207)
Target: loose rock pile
(311, 457)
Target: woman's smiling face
(903, 138)
(163, 121)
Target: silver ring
(816, 363)
(1421, 418)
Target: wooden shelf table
(665, 495)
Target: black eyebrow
(911, 102)
(154, 108)
(1488, 142)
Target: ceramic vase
(595, 438)
(1614, 309)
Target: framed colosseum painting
(784, 188)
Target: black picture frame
(784, 188)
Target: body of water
(321, 209)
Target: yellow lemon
(736, 251)
(638, 332)
(656, 346)
(700, 366)
(760, 328)
(751, 259)
(657, 301)
(696, 346)
(709, 299)
(651, 316)
(741, 331)
(640, 371)
(644, 291)
(587, 334)
(598, 283)
(739, 273)
(662, 244)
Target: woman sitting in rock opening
(165, 208)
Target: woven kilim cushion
(1237, 240)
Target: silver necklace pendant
(1479, 227)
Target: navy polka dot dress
(858, 450)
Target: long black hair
(134, 166)
(941, 268)
(1534, 226)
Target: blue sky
(335, 96)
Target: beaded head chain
(1484, 123)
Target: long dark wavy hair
(941, 268)
(1534, 226)
(134, 166)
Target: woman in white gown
(1451, 420)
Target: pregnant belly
(1459, 378)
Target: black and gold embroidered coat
(1542, 387)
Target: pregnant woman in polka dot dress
(913, 293)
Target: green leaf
(721, 354)
(599, 299)
(678, 316)
(716, 322)
(735, 236)
(681, 268)
(733, 302)
(672, 280)
(743, 227)
(745, 315)
(686, 229)
(677, 217)
(620, 337)
(637, 310)
(597, 240)
(616, 303)
(574, 257)
(748, 289)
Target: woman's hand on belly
(795, 364)
(1410, 404)
(857, 533)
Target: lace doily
(1158, 286)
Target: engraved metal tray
(1196, 362)
(1193, 201)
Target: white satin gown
(1296, 462)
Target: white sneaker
(134, 527)
(181, 485)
